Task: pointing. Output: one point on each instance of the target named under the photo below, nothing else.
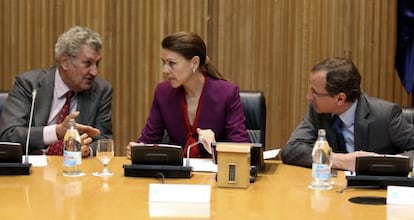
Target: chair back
(408, 114)
(254, 108)
(3, 97)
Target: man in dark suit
(369, 126)
(77, 54)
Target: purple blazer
(221, 111)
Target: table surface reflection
(279, 193)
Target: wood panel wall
(267, 45)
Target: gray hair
(71, 41)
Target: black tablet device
(157, 154)
(10, 152)
(383, 165)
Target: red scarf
(191, 135)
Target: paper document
(349, 173)
(179, 200)
(186, 193)
(400, 195)
(269, 154)
(179, 210)
(202, 165)
(37, 160)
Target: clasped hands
(205, 137)
(86, 132)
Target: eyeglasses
(317, 95)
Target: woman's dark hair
(190, 45)
(341, 76)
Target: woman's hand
(206, 137)
(128, 149)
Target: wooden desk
(280, 193)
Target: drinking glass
(105, 153)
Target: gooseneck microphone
(26, 158)
(187, 161)
(213, 149)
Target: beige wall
(267, 45)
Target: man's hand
(85, 142)
(61, 128)
(91, 131)
(347, 161)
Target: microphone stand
(187, 161)
(213, 148)
(26, 158)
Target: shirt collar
(60, 87)
(348, 117)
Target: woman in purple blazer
(196, 103)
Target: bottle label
(321, 172)
(71, 158)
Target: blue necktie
(337, 125)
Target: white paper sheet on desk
(202, 165)
(185, 193)
(179, 210)
(179, 200)
(37, 160)
(400, 195)
(270, 154)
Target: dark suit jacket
(379, 127)
(94, 106)
(221, 112)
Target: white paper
(269, 154)
(400, 195)
(349, 173)
(37, 160)
(179, 210)
(399, 212)
(179, 193)
(202, 165)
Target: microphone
(213, 149)
(26, 158)
(187, 161)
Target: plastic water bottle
(72, 157)
(321, 166)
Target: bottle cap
(72, 122)
(321, 132)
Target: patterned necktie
(57, 148)
(337, 125)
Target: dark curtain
(404, 57)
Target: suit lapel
(44, 98)
(85, 99)
(362, 123)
